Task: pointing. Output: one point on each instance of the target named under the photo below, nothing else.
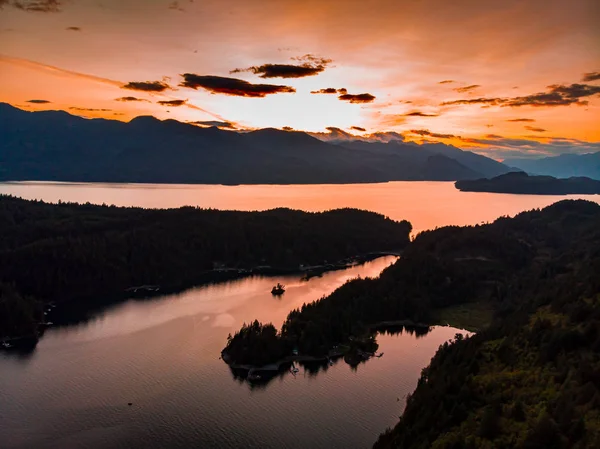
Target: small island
(522, 183)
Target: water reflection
(315, 367)
(426, 205)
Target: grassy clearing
(473, 316)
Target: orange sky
(501, 57)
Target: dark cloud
(173, 103)
(591, 76)
(557, 95)
(521, 120)
(425, 132)
(311, 66)
(36, 5)
(534, 129)
(73, 29)
(357, 98)
(232, 86)
(129, 99)
(358, 128)
(38, 101)
(419, 114)
(216, 123)
(446, 82)
(147, 86)
(75, 108)
(493, 136)
(467, 88)
(330, 90)
(282, 70)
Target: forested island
(530, 379)
(522, 183)
(85, 254)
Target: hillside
(530, 379)
(522, 183)
(79, 253)
(57, 146)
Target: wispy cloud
(38, 101)
(426, 132)
(216, 123)
(557, 95)
(35, 5)
(57, 70)
(76, 108)
(534, 129)
(591, 76)
(130, 99)
(529, 146)
(174, 103)
(419, 114)
(467, 88)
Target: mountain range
(57, 146)
(562, 166)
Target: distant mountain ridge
(57, 146)
(562, 166)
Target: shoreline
(83, 307)
(275, 366)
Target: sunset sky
(505, 78)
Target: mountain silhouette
(522, 183)
(562, 166)
(57, 146)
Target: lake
(162, 354)
(425, 204)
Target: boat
(253, 376)
(294, 369)
(279, 289)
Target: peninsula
(85, 255)
(522, 183)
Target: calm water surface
(163, 354)
(425, 204)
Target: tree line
(532, 378)
(75, 252)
